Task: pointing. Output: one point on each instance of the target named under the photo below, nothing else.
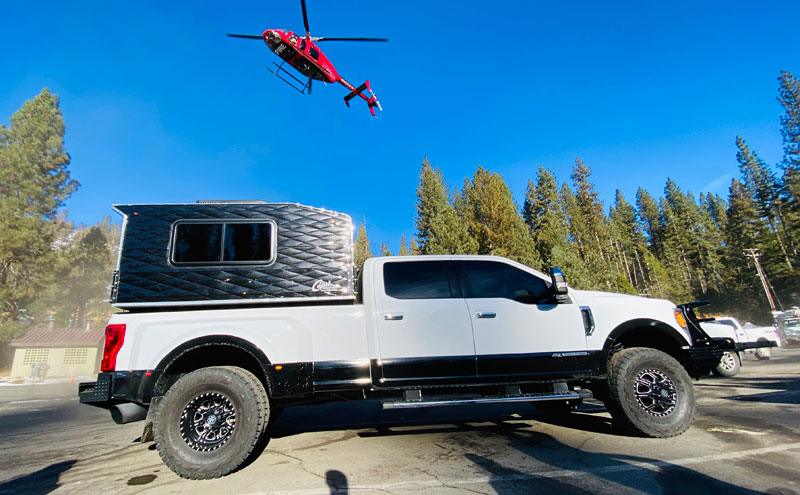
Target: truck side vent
(588, 320)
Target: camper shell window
(217, 243)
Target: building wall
(63, 362)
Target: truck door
(518, 328)
(424, 329)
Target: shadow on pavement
(337, 482)
(781, 390)
(549, 466)
(42, 481)
(565, 469)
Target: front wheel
(650, 393)
(210, 421)
(729, 365)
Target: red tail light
(115, 335)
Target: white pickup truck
(211, 347)
(730, 327)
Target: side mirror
(560, 287)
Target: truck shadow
(42, 481)
(545, 466)
(561, 469)
(368, 416)
(779, 390)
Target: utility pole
(753, 253)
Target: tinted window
(493, 279)
(314, 53)
(197, 242)
(416, 280)
(248, 242)
(222, 243)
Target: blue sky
(160, 106)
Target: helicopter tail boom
(372, 100)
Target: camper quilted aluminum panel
(314, 257)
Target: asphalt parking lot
(745, 440)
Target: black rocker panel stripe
(539, 366)
(297, 378)
(444, 369)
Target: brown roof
(61, 337)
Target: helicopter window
(303, 45)
(314, 53)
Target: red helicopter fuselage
(304, 55)
(301, 54)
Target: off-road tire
(557, 407)
(195, 445)
(729, 365)
(650, 393)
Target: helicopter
(303, 54)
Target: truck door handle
(485, 314)
(393, 316)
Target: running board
(437, 402)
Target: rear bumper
(116, 387)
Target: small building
(57, 352)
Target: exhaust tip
(128, 413)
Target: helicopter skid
(300, 86)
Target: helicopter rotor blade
(246, 36)
(326, 38)
(305, 19)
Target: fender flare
(213, 340)
(640, 323)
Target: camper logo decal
(323, 286)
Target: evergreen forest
(669, 245)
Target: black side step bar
(457, 401)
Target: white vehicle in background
(789, 325)
(730, 327)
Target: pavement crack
(446, 484)
(302, 464)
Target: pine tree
(762, 185)
(629, 244)
(691, 234)
(582, 274)
(385, 250)
(362, 252)
(745, 230)
(413, 249)
(587, 225)
(789, 97)
(649, 218)
(439, 229)
(34, 183)
(717, 207)
(544, 215)
(403, 250)
(493, 220)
